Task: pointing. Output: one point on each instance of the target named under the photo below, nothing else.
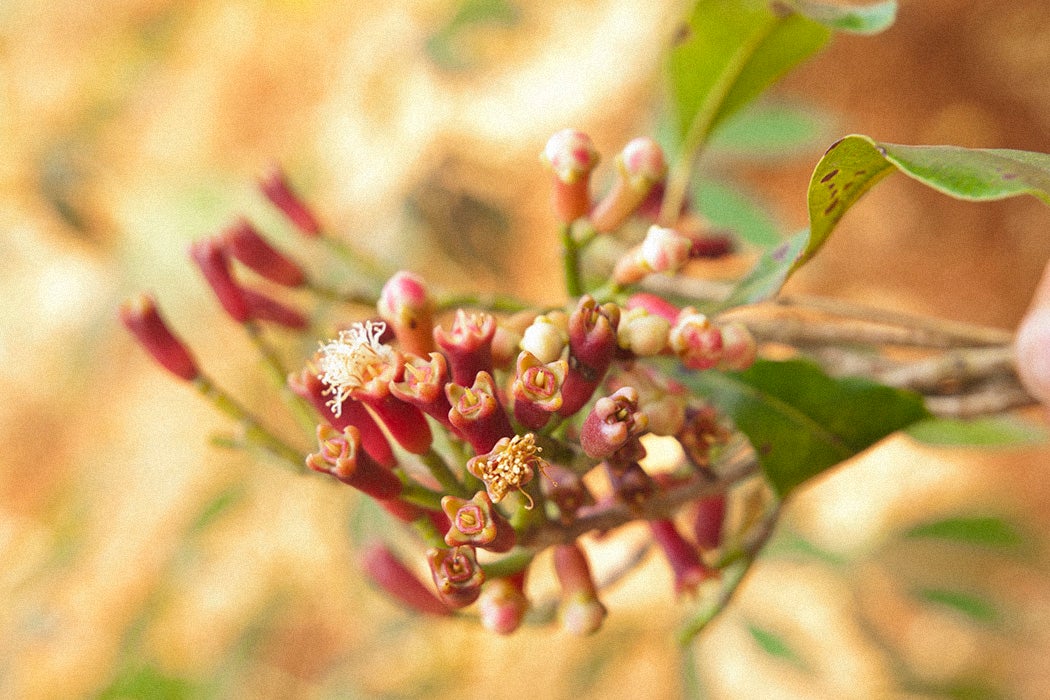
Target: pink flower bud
(611, 423)
(581, 612)
(689, 570)
(477, 523)
(592, 346)
(422, 384)
(639, 167)
(664, 249)
(546, 337)
(642, 333)
(143, 320)
(340, 455)
(739, 348)
(457, 575)
(658, 306)
(696, 342)
(468, 344)
(252, 250)
(537, 389)
(214, 264)
(405, 304)
(385, 570)
(264, 308)
(571, 156)
(708, 518)
(274, 185)
(478, 413)
(502, 605)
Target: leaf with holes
(853, 165)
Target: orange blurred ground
(130, 127)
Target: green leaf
(149, 682)
(977, 608)
(985, 531)
(992, 431)
(801, 421)
(735, 49)
(727, 207)
(856, 163)
(769, 131)
(768, 274)
(774, 645)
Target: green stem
(570, 256)
(357, 297)
(440, 470)
(490, 302)
(420, 496)
(703, 122)
(732, 576)
(510, 564)
(278, 375)
(361, 264)
(254, 431)
(428, 532)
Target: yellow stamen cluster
(509, 466)
(352, 360)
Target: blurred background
(137, 561)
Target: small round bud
(642, 333)
(695, 340)
(642, 160)
(738, 347)
(570, 155)
(664, 249)
(545, 338)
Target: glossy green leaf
(975, 607)
(985, 531)
(734, 50)
(800, 421)
(727, 207)
(770, 131)
(768, 274)
(856, 163)
(774, 645)
(992, 431)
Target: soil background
(137, 561)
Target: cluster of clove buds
(545, 412)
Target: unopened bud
(406, 306)
(264, 308)
(252, 250)
(639, 167)
(142, 318)
(571, 156)
(611, 423)
(695, 340)
(214, 264)
(546, 337)
(274, 185)
(581, 612)
(502, 605)
(642, 333)
(739, 348)
(689, 570)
